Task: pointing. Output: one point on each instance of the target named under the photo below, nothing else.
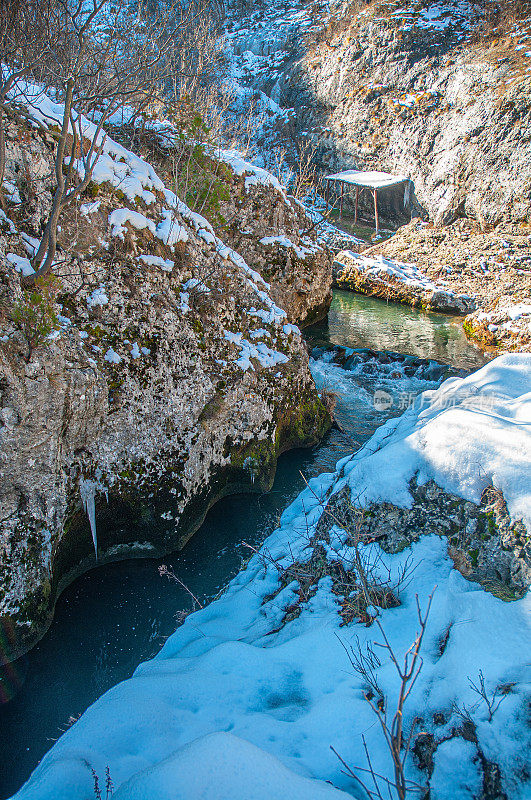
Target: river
(117, 615)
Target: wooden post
(341, 204)
(375, 193)
(357, 198)
(327, 194)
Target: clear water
(118, 615)
(358, 321)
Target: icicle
(87, 490)
(407, 193)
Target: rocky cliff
(414, 89)
(151, 376)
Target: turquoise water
(117, 615)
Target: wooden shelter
(372, 181)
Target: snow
(265, 355)
(468, 434)
(120, 216)
(289, 329)
(380, 270)
(518, 310)
(283, 241)
(31, 244)
(231, 768)
(112, 357)
(440, 16)
(98, 297)
(371, 180)
(239, 705)
(456, 773)
(505, 317)
(379, 265)
(4, 219)
(197, 284)
(156, 261)
(21, 264)
(90, 208)
(11, 192)
(253, 175)
(170, 230)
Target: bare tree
(98, 60)
(397, 741)
(492, 700)
(27, 31)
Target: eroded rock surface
(484, 543)
(156, 375)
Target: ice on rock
(87, 490)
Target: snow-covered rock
(378, 276)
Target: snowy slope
(136, 178)
(234, 677)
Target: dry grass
(360, 580)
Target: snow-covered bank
(493, 266)
(387, 278)
(245, 669)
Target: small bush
(34, 316)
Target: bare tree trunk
(45, 255)
(2, 147)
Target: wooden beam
(357, 199)
(375, 193)
(341, 204)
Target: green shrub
(34, 313)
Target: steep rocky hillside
(409, 88)
(152, 375)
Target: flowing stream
(117, 615)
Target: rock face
(154, 375)
(274, 234)
(483, 542)
(417, 96)
(411, 90)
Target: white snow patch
(112, 357)
(98, 297)
(253, 175)
(90, 208)
(21, 264)
(248, 350)
(11, 192)
(283, 241)
(156, 261)
(170, 230)
(119, 217)
(230, 768)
